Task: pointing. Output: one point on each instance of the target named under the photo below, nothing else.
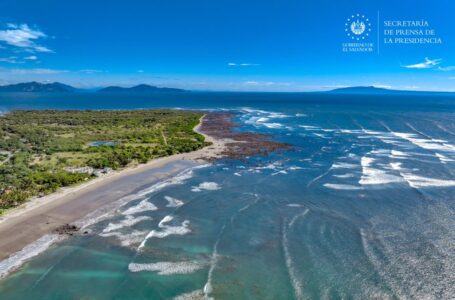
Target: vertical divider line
(377, 33)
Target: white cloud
(36, 71)
(242, 65)
(11, 60)
(31, 57)
(448, 68)
(90, 71)
(24, 37)
(382, 86)
(427, 64)
(266, 83)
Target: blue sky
(264, 45)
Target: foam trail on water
(373, 176)
(347, 187)
(418, 131)
(417, 181)
(256, 196)
(127, 239)
(347, 175)
(208, 288)
(296, 284)
(444, 159)
(167, 230)
(320, 176)
(144, 205)
(127, 222)
(377, 263)
(209, 186)
(291, 223)
(194, 295)
(443, 128)
(173, 202)
(168, 268)
(343, 166)
(427, 144)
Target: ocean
(362, 207)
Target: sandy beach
(40, 216)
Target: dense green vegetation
(39, 148)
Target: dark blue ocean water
(362, 208)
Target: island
(58, 87)
(373, 90)
(141, 88)
(37, 87)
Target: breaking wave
(209, 186)
(16, 260)
(168, 268)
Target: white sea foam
(320, 135)
(168, 268)
(127, 222)
(142, 206)
(425, 143)
(208, 288)
(279, 172)
(398, 154)
(396, 165)
(308, 127)
(296, 284)
(273, 125)
(127, 239)
(167, 230)
(301, 215)
(294, 205)
(293, 168)
(173, 202)
(347, 175)
(417, 181)
(16, 260)
(444, 159)
(194, 295)
(178, 179)
(261, 118)
(347, 187)
(342, 165)
(374, 176)
(237, 174)
(271, 166)
(209, 186)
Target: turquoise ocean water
(363, 207)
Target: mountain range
(57, 87)
(141, 88)
(37, 87)
(372, 90)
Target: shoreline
(40, 217)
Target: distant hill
(142, 88)
(371, 90)
(36, 87)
